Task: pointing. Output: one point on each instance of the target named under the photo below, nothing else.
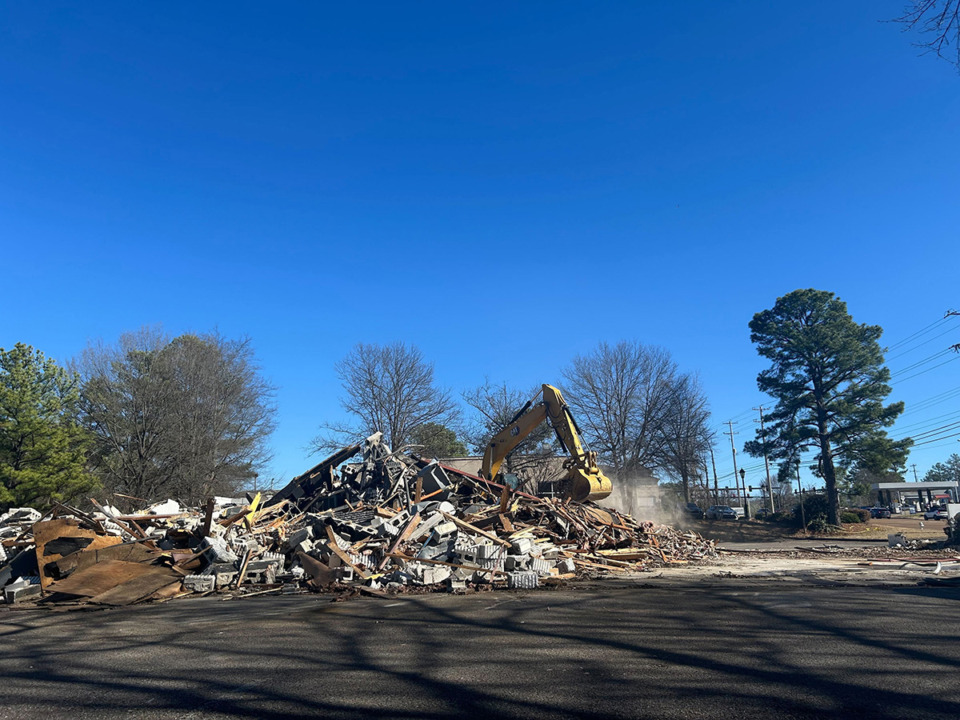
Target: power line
(924, 372)
(918, 363)
(934, 431)
(919, 332)
(933, 440)
(917, 347)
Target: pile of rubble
(386, 522)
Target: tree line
(148, 417)
(152, 416)
(635, 407)
(190, 416)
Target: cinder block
(540, 566)
(22, 589)
(218, 550)
(549, 552)
(494, 563)
(300, 536)
(306, 547)
(522, 580)
(566, 566)
(200, 583)
(488, 550)
(345, 574)
(515, 562)
(435, 574)
(522, 546)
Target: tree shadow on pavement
(624, 651)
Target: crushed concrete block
(297, 537)
(170, 507)
(426, 526)
(488, 550)
(494, 563)
(540, 566)
(224, 573)
(247, 545)
(200, 583)
(566, 566)
(435, 574)
(549, 552)
(445, 529)
(522, 580)
(515, 562)
(896, 539)
(218, 550)
(522, 546)
(436, 552)
(306, 547)
(463, 574)
(25, 588)
(456, 585)
(21, 516)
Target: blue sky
(502, 184)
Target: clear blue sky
(502, 184)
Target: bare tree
(388, 389)
(223, 413)
(186, 417)
(621, 396)
(685, 431)
(495, 408)
(938, 22)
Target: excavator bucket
(589, 486)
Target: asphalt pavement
(724, 649)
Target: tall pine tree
(42, 445)
(828, 377)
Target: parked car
(879, 512)
(721, 512)
(935, 513)
(692, 509)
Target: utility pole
(733, 450)
(914, 466)
(766, 462)
(716, 484)
(803, 513)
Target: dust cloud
(641, 499)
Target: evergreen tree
(945, 472)
(42, 445)
(436, 441)
(829, 380)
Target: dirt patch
(914, 528)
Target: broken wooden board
(65, 537)
(129, 552)
(116, 582)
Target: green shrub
(813, 505)
(848, 516)
(820, 526)
(863, 514)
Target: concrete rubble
(364, 520)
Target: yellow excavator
(583, 479)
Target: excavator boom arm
(585, 479)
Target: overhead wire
(920, 332)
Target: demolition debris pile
(389, 521)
